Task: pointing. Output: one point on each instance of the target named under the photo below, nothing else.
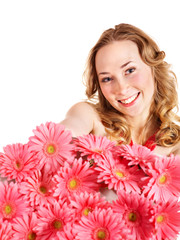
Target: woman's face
(125, 80)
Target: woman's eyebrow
(125, 64)
(103, 73)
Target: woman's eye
(107, 79)
(130, 70)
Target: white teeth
(129, 100)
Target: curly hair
(165, 95)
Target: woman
(135, 92)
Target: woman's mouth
(130, 100)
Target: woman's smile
(129, 101)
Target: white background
(44, 46)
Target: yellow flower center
(101, 234)
(51, 149)
(132, 216)
(8, 209)
(73, 184)
(57, 224)
(31, 236)
(160, 219)
(43, 189)
(86, 211)
(120, 174)
(163, 179)
(18, 164)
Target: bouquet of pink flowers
(59, 187)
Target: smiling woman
(128, 77)
(134, 89)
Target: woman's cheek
(138, 79)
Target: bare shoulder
(176, 149)
(82, 118)
(168, 150)
(82, 111)
(80, 107)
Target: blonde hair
(165, 95)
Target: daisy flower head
(94, 147)
(11, 203)
(68, 232)
(137, 155)
(23, 227)
(5, 230)
(52, 144)
(85, 202)
(101, 224)
(136, 211)
(52, 219)
(164, 183)
(75, 179)
(17, 162)
(119, 176)
(167, 220)
(37, 189)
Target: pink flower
(37, 189)
(118, 175)
(167, 220)
(52, 220)
(75, 179)
(137, 155)
(68, 232)
(1, 157)
(100, 224)
(84, 203)
(52, 143)
(11, 203)
(94, 147)
(17, 162)
(165, 181)
(136, 212)
(24, 227)
(5, 230)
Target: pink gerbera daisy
(24, 227)
(101, 224)
(136, 154)
(165, 181)
(118, 175)
(37, 189)
(136, 212)
(52, 219)
(68, 232)
(167, 220)
(84, 203)
(11, 202)
(5, 230)
(52, 143)
(75, 179)
(17, 162)
(94, 147)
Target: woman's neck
(141, 132)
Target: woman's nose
(121, 86)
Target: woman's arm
(80, 119)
